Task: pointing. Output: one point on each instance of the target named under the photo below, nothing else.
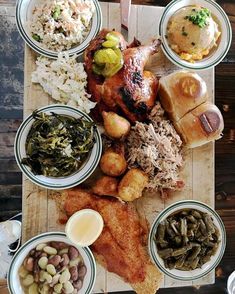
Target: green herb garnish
(57, 145)
(199, 17)
(36, 37)
(56, 12)
(183, 32)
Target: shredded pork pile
(157, 149)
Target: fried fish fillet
(122, 245)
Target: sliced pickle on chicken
(118, 53)
(110, 44)
(111, 36)
(111, 69)
(104, 56)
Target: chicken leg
(132, 89)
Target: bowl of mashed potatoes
(195, 34)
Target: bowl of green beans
(187, 240)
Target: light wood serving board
(39, 211)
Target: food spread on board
(148, 124)
(54, 267)
(192, 32)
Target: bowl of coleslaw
(51, 27)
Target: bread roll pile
(184, 96)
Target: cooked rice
(61, 31)
(65, 80)
(157, 149)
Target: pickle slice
(111, 69)
(103, 56)
(110, 44)
(118, 53)
(111, 36)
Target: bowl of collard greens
(58, 147)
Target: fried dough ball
(113, 162)
(115, 125)
(106, 186)
(132, 184)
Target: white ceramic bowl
(215, 56)
(24, 10)
(62, 182)
(13, 277)
(207, 267)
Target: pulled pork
(156, 148)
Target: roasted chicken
(132, 90)
(121, 247)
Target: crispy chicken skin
(121, 245)
(132, 89)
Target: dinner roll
(200, 126)
(180, 92)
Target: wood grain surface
(39, 211)
(11, 114)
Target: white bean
(51, 269)
(65, 276)
(68, 287)
(62, 251)
(58, 288)
(40, 246)
(45, 289)
(43, 261)
(50, 250)
(23, 272)
(33, 289)
(28, 280)
(47, 277)
(41, 276)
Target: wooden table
(11, 116)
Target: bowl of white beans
(50, 263)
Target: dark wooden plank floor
(11, 103)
